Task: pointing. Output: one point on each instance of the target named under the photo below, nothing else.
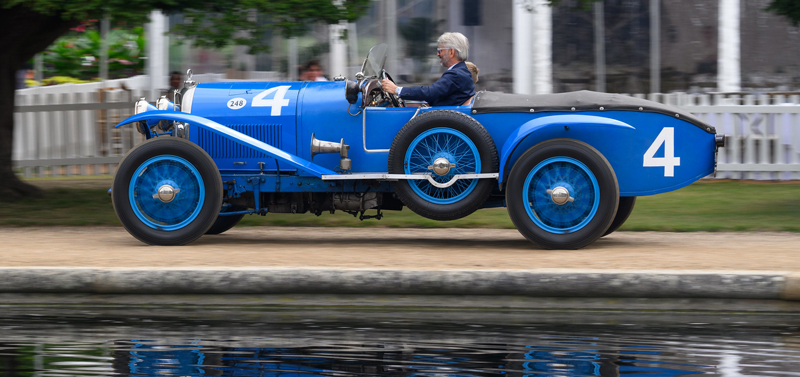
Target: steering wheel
(393, 98)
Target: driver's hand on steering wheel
(388, 86)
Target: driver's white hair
(456, 41)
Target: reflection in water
(225, 342)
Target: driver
(455, 86)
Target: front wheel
(167, 191)
(224, 224)
(562, 194)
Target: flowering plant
(77, 54)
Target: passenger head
(473, 69)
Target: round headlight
(140, 107)
(163, 103)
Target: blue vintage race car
(567, 166)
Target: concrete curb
(535, 283)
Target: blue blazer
(452, 89)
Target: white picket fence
(69, 129)
(762, 132)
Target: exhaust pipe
(319, 147)
(719, 140)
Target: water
(253, 341)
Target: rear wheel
(623, 212)
(167, 191)
(562, 194)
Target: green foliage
(244, 22)
(209, 24)
(135, 11)
(126, 49)
(576, 4)
(787, 8)
(55, 80)
(58, 80)
(223, 24)
(64, 58)
(419, 32)
(77, 54)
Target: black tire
(457, 133)
(624, 210)
(224, 223)
(562, 166)
(148, 205)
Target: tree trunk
(10, 186)
(23, 33)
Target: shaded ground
(398, 248)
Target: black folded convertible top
(584, 100)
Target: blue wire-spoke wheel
(166, 192)
(441, 144)
(568, 177)
(562, 194)
(456, 154)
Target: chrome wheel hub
(166, 193)
(441, 166)
(560, 195)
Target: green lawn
(708, 205)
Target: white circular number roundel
(236, 103)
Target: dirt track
(398, 248)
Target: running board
(398, 177)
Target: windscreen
(375, 60)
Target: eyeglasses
(439, 50)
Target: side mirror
(351, 91)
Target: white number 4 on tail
(277, 102)
(669, 161)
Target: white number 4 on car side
(669, 161)
(277, 102)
